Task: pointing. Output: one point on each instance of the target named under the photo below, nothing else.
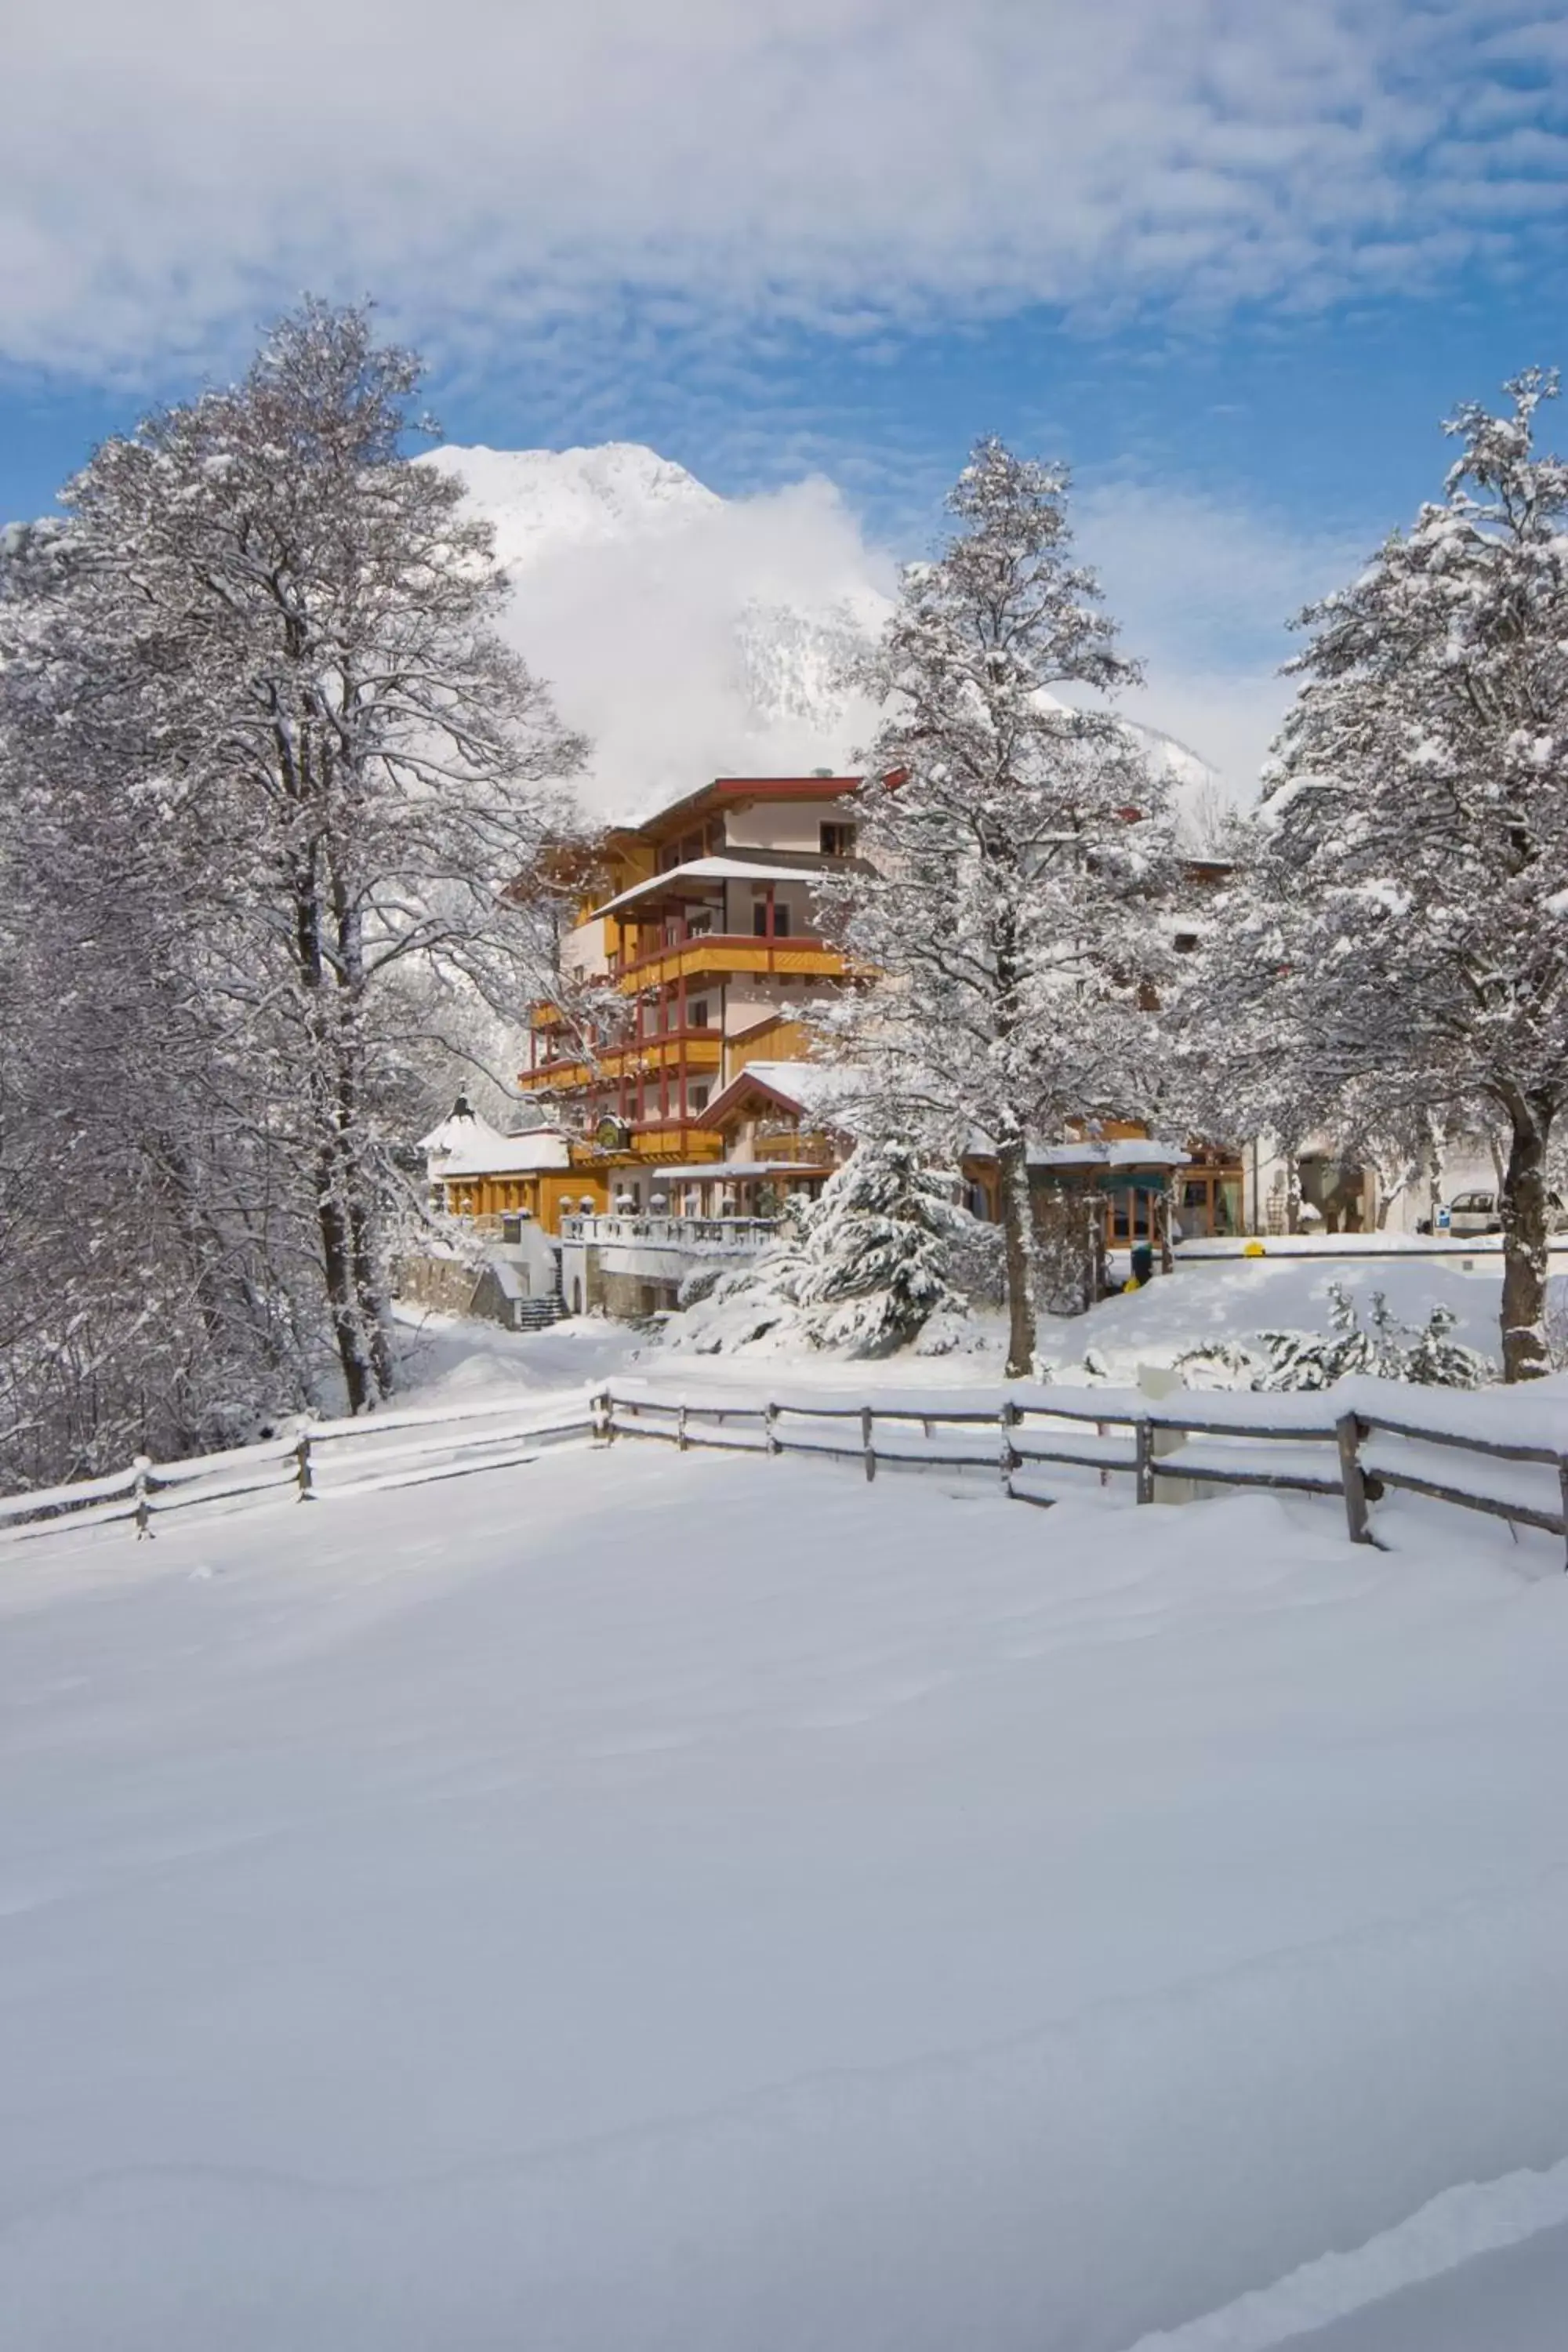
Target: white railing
(1352, 1442)
(705, 1233)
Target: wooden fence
(1350, 1446)
(313, 1458)
(1205, 1442)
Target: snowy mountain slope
(543, 501)
(689, 634)
(686, 634)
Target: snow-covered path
(714, 1904)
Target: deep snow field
(690, 1905)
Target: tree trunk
(342, 1300)
(1435, 1172)
(1292, 1189)
(1524, 1242)
(1017, 1237)
(368, 1293)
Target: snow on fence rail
(1354, 1441)
(403, 1447)
(1343, 1442)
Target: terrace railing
(740, 1233)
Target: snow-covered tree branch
(1014, 849)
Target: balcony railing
(741, 1235)
(801, 951)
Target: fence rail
(1353, 1453)
(1355, 1448)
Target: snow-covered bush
(861, 1270)
(1557, 1323)
(875, 1264)
(727, 1307)
(1427, 1356)
(1218, 1364)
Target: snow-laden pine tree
(258, 664)
(861, 1269)
(1408, 928)
(875, 1266)
(1015, 846)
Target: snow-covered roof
(1123, 1152)
(466, 1145)
(707, 869)
(811, 1086)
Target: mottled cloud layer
(596, 177)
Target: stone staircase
(538, 1314)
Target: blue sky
(1234, 259)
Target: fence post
(1143, 1459)
(770, 1427)
(680, 1428)
(303, 1477)
(1562, 1490)
(1347, 1429)
(865, 1446)
(1009, 1416)
(141, 1465)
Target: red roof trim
(725, 791)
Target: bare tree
(259, 659)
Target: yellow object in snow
(1253, 1249)
(1131, 1282)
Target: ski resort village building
(703, 956)
(677, 1101)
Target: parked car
(1481, 1213)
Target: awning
(706, 870)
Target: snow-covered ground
(654, 1900)
(1208, 1299)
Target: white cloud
(689, 636)
(1205, 590)
(579, 175)
(692, 636)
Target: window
(697, 1098)
(697, 1015)
(760, 920)
(838, 840)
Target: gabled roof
(809, 1089)
(466, 1145)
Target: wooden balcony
(671, 1049)
(720, 953)
(669, 1137)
